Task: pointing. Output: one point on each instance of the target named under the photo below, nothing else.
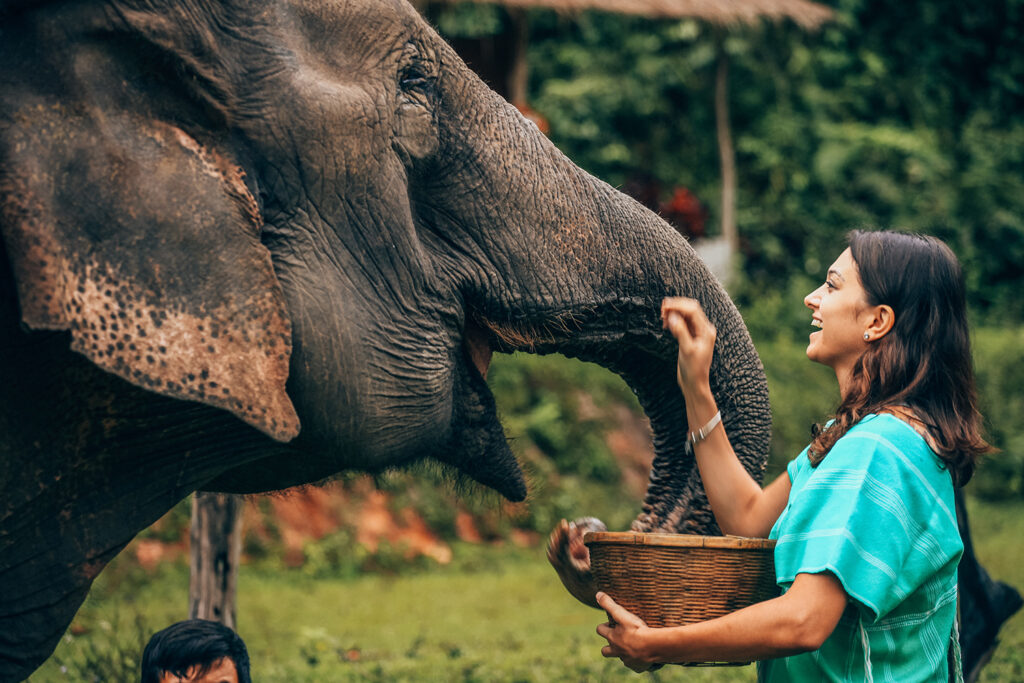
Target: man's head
(195, 651)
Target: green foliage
(802, 393)
(113, 653)
(619, 127)
(335, 555)
(993, 189)
(470, 20)
(557, 413)
(778, 313)
(339, 556)
(543, 399)
(999, 364)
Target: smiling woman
(865, 518)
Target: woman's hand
(625, 634)
(685, 319)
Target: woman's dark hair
(189, 643)
(924, 362)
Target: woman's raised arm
(740, 505)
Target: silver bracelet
(696, 437)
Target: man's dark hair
(193, 642)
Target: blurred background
(764, 139)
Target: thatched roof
(725, 12)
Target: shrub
(802, 393)
(116, 655)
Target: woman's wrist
(697, 435)
(700, 405)
(644, 644)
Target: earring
(866, 336)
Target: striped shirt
(878, 513)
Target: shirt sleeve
(876, 518)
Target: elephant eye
(413, 79)
(417, 74)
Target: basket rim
(677, 540)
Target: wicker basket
(673, 579)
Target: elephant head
(248, 245)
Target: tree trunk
(216, 540)
(726, 153)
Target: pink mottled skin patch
(232, 353)
(232, 358)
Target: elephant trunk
(675, 499)
(624, 334)
(575, 267)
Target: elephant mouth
(622, 336)
(606, 333)
(476, 341)
(476, 445)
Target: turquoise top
(878, 513)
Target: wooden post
(216, 544)
(519, 76)
(726, 153)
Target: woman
(867, 541)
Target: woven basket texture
(671, 580)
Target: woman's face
(842, 314)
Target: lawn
(494, 615)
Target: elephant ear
(145, 245)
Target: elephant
(250, 245)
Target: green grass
(997, 529)
(501, 617)
(495, 615)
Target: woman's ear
(145, 245)
(881, 321)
